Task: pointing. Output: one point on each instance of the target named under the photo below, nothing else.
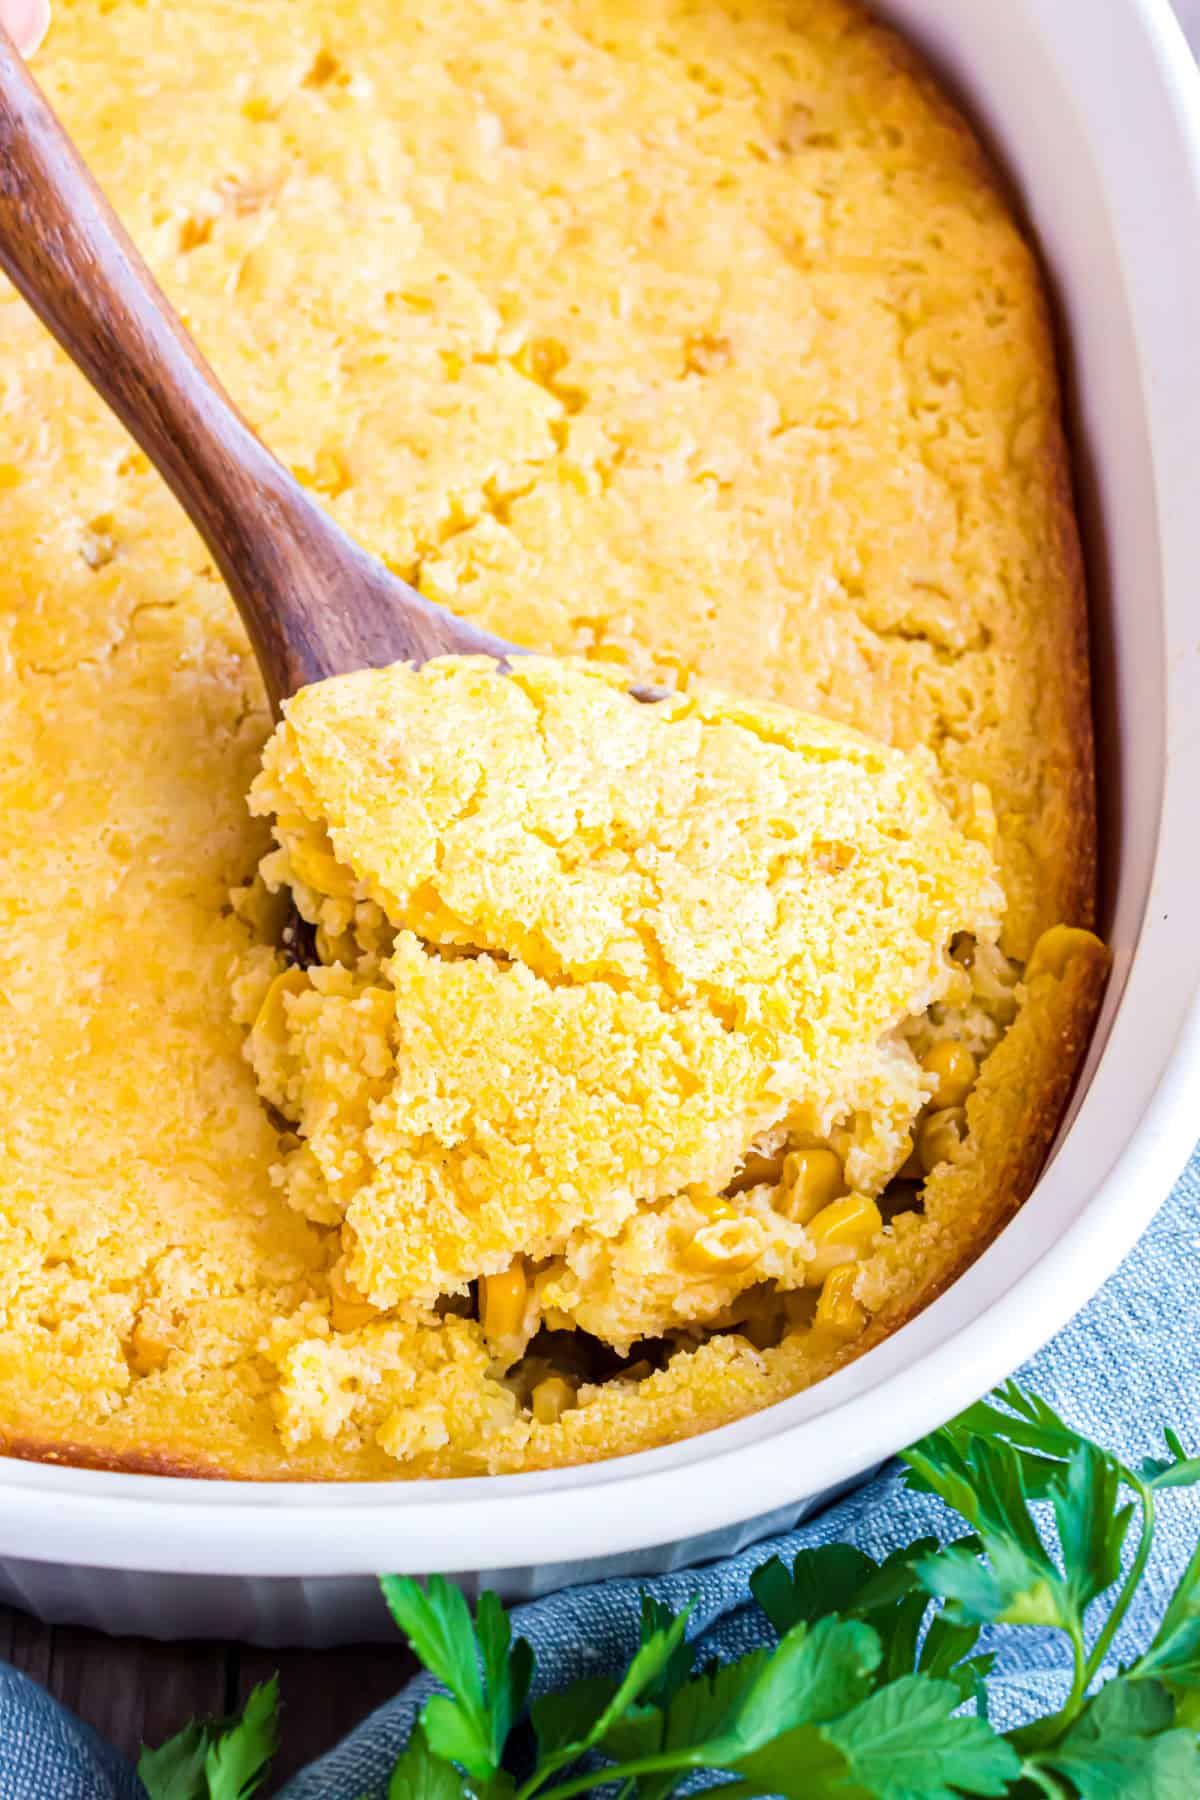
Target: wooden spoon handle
(314, 604)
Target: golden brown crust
(168, 1463)
(86, 1456)
(1067, 826)
(979, 1199)
(1071, 859)
(1068, 832)
(1065, 833)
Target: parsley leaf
(657, 1618)
(1126, 1708)
(507, 1670)
(1165, 1768)
(236, 1764)
(1173, 1654)
(1123, 1747)
(650, 1663)
(727, 1715)
(992, 1465)
(707, 1703)
(894, 1580)
(175, 1771)
(1018, 1582)
(642, 1729)
(1178, 1469)
(420, 1775)
(562, 1721)
(698, 1712)
(904, 1743)
(827, 1579)
(800, 1765)
(216, 1759)
(1091, 1526)
(945, 1654)
(841, 1579)
(437, 1622)
(1025, 1422)
(566, 1717)
(814, 1675)
(488, 1680)
(730, 1715)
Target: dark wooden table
(135, 1691)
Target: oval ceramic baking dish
(1097, 121)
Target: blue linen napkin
(1129, 1363)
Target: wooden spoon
(313, 602)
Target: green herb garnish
(217, 1759)
(876, 1688)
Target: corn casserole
(530, 1073)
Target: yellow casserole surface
(694, 340)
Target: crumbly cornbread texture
(695, 339)
(605, 947)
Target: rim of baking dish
(1001, 1310)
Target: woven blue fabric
(1128, 1363)
(46, 1753)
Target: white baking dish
(1095, 111)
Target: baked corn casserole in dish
(535, 1070)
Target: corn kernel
(336, 947)
(502, 1300)
(541, 359)
(713, 1206)
(841, 1232)
(641, 1370)
(150, 1345)
(730, 1245)
(320, 869)
(837, 1309)
(270, 1021)
(551, 1398)
(940, 1136)
(348, 1308)
(954, 1070)
(1059, 946)
(812, 1179)
(842, 1143)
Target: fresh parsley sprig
(876, 1686)
(217, 1759)
(806, 1719)
(1004, 1464)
